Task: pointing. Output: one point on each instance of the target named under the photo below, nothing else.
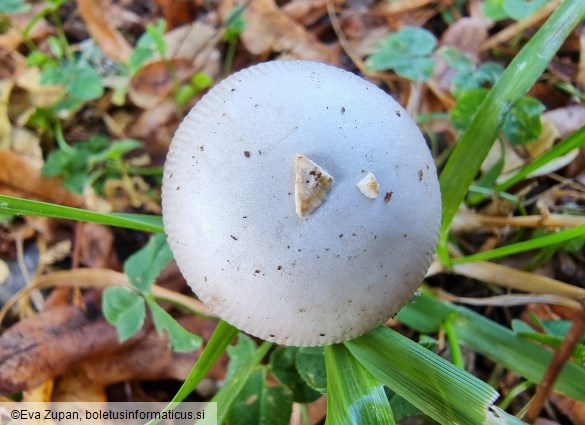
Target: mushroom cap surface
(230, 215)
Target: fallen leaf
(195, 42)
(14, 36)
(573, 409)
(110, 40)
(269, 29)
(37, 94)
(148, 359)
(40, 394)
(22, 177)
(27, 144)
(580, 80)
(305, 12)
(177, 13)
(96, 246)
(517, 157)
(75, 386)
(11, 63)
(4, 272)
(567, 120)
(156, 80)
(5, 126)
(466, 34)
(156, 128)
(542, 421)
(41, 347)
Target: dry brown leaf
(40, 394)
(188, 41)
(21, 176)
(269, 29)
(11, 63)
(305, 12)
(27, 144)
(110, 40)
(13, 37)
(4, 271)
(466, 34)
(403, 6)
(155, 81)
(573, 409)
(197, 43)
(96, 245)
(542, 421)
(150, 359)
(520, 280)
(5, 126)
(566, 120)
(177, 13)
(516, 157)
(156, 127)
(75, 386)
(43, 346)
(580, 80)
(36, 94)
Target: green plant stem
(228, 395)
(456, 355)
(570, 89)
(229, 57)
(536, 243)
(519, 76)
(222, 336)
(515, 392)
(61, 35)
(16, 206)
(60, 138)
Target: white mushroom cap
(229, 203)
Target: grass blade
(438, 388)
(355, 396)
(16, 206)
(514, 83)
(574, 141)
(498, 343)
(536, 243)
(221, 338)
(515, 353)
(226, 397)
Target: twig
(561, 356)
(101, 278)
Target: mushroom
(264, 206)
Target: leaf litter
(142, 103)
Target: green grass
(358, 370)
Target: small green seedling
(408, 52)
(125, 307)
